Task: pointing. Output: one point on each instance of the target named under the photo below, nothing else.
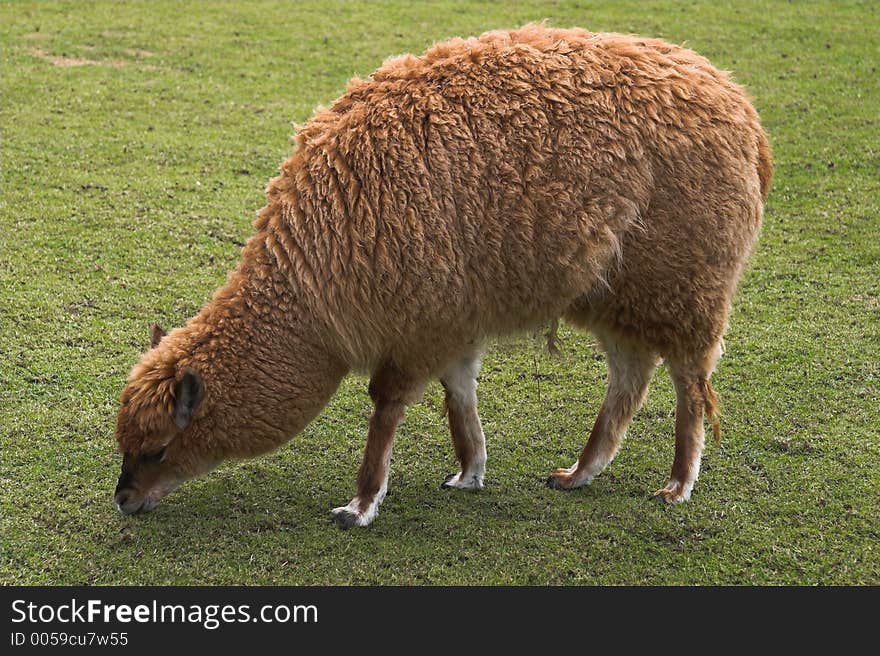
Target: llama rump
(490, 186)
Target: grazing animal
(491, 185)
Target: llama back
(484, 187)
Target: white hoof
(459, 481)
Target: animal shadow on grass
(250, 498)
(239, 499)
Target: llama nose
(120, 499)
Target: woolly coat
(492, 183)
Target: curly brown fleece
(489, 186)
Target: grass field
(137, 139)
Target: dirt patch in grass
(64, 61)
(138, 53)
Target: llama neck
(267, 372)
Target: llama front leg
(460, 383)
(391, 391)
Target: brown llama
(489, 186)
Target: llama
(490, 186)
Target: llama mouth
(127, 507)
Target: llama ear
(156, 335)
(188, 395)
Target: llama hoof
(674, 492)
(347, 517)
(358, 512)
(459, 482)
(344, 517)
(565, 479)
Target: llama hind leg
(460, 383)
(693, 394)
(630, 368)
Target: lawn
(137, 140)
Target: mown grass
(130, 180)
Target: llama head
(159, 413)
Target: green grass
(129, 183)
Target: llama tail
(765, 165)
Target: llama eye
(158, 456)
